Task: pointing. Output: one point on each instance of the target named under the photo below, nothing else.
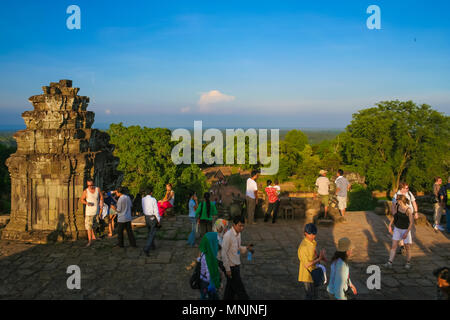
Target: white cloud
(212, 97)
(108, 111)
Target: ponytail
(208, 203)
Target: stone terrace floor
(39, 271)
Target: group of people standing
(220, 257)
(272, 190)
(322, 188)
(441, 199)
(115, 206)
(312, 273)
(107, 206)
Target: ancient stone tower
(56, 154)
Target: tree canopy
(291, 153)
(145, 160)
(398, 141)
(5, 180)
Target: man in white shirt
(342, 188)
(152, 218)
(93, 199)
(252, 196)
(322, 188)
(123, 209)
(404, 190)
(231, 258)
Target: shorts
(324, 199)
(398, 235)
(342, 202)
(89, 222)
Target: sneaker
(408, 266)
(388, 265)
(441, 228)
(435, 227)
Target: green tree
(308, 170)
(329, 152)
(5, 180)
(145, 160)
(397, 141)
(291, 153)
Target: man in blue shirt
(123, 210)
(193, 204)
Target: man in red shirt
(274, 201)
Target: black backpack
(195, 278)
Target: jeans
(151, 225)
(234, 286)
(191, 238)
(125, 225)
(310, 291)
(272, 206)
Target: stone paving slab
(32, 271)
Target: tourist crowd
(220, 246)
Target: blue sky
(278, 64)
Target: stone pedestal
(56, 154)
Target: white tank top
(93, 198)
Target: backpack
(194, 281)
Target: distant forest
(315, 136)
(394, 141)
(6, 139)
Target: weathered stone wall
(56, 154)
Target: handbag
(194, 281)
(317, 276)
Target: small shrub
(360, 199)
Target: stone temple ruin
(56, 154)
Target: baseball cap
(310, 228)
(323, 172)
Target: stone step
(138, 221)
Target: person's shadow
(60, 232)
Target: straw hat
(323, 172)
(344, 244)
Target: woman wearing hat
(220, 226)
(340, 282)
